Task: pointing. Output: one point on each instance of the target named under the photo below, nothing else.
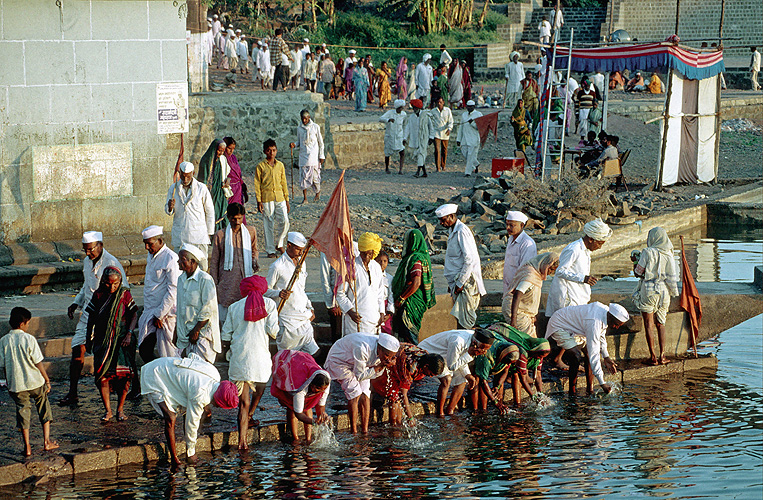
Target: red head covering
(226, 395)
(417, 103)
(253, 288)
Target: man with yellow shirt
(272, 198)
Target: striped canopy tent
(691, 121)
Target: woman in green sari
(522, 135)
(530, 100)
(213, 171)
(412, 288)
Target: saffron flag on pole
(486, 124)
(689, 299)
(333, 235)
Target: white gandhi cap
(447, 209)
(516, 216)
(296, 238)
(470, 103)
(619, 312)
(186, 167)
(399, 103)
(389, 342)
(152, 231)
(92, 236)
(194, 251)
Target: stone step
(57, 368)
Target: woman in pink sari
(300, 384)
(235, 177)
(402, 86)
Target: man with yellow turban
(363, 306)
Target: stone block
(33, 253)
(112, 102)
(46, 23)
(164, 22)
(144, 102)
(98, 460)
(12, 55)
(55, 220)
(71, 103)
(70, 249)
(269, 433)
(49, 62)
(13, 474)
(174, 60)
(115, 215)
(28, 105)
(15, 221)
(125, 56)
(123, 20)
(131, 455)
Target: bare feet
(562, 365)
(106, 417)
(50, 445)
(664, 360)
(243, 447)
(121, 417)
(317, 197)
(652, 362)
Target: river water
(694, 436)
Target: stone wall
(353, 145)
(78, 106)
(586, 22)
(652, 20)
(490, 59)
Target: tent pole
(666, 114)
(678, 8)
(605, 107)
(720, 27)
(719, 118)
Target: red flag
(485, 124)
(689, 298)
(333, 235)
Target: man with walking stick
(311, 156)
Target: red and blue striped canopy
(646, 56)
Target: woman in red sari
(412, 363)
(467, 79)
(235, 178)
(300, 384)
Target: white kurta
(440, 123)
(194, 212)
(469, 137)
(453, 346)
(589, 321)
(394, 133)
(92, 274)
(371, 293)
(249, 353)
(567, 288)
(514, 74)
(462, 261)
(294, 319)
(518, 251)
(310, 144)
(351, 362)
(417, 134)
(423, 79)
(197, 301)
(160, 299)
(189, 383)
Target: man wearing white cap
(198, 324)
(423, 76)
(353, 361)
(303, 58)
(157, 323)
(264, 69)
(463, 270)
(572, 281)
(217, 36)
(311, 155)
(231, 51)
(97, 259)
(243, 54)
(441, 125)
(520, 248)
(189, 201)
(394, 134)
(515, 73)
(458, 348)
(417, 135)
(209, 43)
(469, 138)
(296, 316)
(575, 327)
(351, 59)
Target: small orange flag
(485, 124)
(689, 298)
(333, 235)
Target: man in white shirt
(328, 280)
(394, 134)
(296, 316)
(198, 322)
(194, 212)
(311, 155)
(520, 248)
(458, 348)
(754, 68)
(598, 81)
(585, 326)
(353, 361)
(463, 270)
(231, 51)
(417, 135)
(191, 383)
(249, 326)
(444, 56)
(544, 30)
(243, 54)
(514, 74)
(367, 312)
(469, 138)
(440, 126)
(558, 18)
(423, 77)
(97, 259)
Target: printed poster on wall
(172, 108)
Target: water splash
(540, 403)
(416, 434)
(617, 390)
(324, 437)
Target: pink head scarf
(253, 288)
(226, 395)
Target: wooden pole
(297, 270)
(292, 172)
(665, 116)
(720, 27)
(678, 9)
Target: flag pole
(691, 326)
(176, 173)
(297, 270)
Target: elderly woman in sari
(300, 385)
(522, 135)
(455, 84)
(402, 86)
(235, 178)
(530, 99)
(523, 294)
(412, 288)
(656, 268)
(412, 364)
(213, 171)
(360, 83)
(385, 91)
(112, 316)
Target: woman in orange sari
(385, 91)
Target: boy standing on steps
(28, 383)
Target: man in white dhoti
(246, 334)
(576, 328)
(191, 383)
(264, 69)
(198, 323)
(311, 155)
(520, 248)
(417, 132)
(469, 138)
(97, 259)
(243, 54)
(353, 361)
(231, 51)
(458, 348)
(423, 77)
(364, 307)
(394, 134)
(463, 270)
(156, 326)
(514, 74)
(296, 316)
(572, 282)
(189, 201)
(209, 43)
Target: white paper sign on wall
(172, 108)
